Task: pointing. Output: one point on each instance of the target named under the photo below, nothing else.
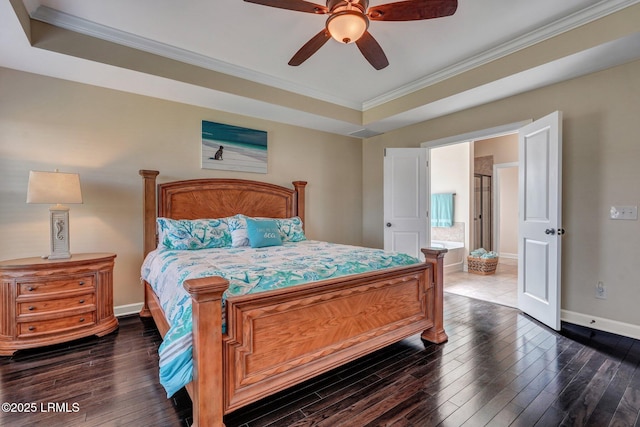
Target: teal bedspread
(248, 271)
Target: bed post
(149, 209)
(207, 388)
(436, 333)
(299, 186)
(149, 221)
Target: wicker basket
(483, 266)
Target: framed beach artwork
(233, 148)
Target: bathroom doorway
(485, 213)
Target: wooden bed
(279, 338)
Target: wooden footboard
(280, 338)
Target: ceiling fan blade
(310, 48)
(412, 10)
(297, 5)
(372, 51)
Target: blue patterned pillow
(263, 233)
(194, 234)
(291, 229)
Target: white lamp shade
(54, 188)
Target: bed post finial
(300, 201)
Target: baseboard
(453, 268)
(601, 324)
(128, 309)
(508, 255)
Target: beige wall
(504, 149)
(107, 136)
(508, 212)
(601, 154)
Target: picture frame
(233, 148)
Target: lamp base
(59, 222)
(52, 255)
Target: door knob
(551, 231)
(388, 224)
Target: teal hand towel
(442, 210)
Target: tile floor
(499, 288)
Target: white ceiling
(255, 42)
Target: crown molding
(585, 16)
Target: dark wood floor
(499, 368)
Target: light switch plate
(624, 212)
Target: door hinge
(385, 152)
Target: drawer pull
(81, 319)
(32, 328)
(31, 308)
(31, 288)
(81, 301)
(81, 282)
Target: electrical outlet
(601, 291)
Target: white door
(405, 200)
(540, 221)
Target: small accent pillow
(238, 229)
(290, 229)
(263, 233)
(194, 234)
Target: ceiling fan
(349, 19)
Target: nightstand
(44, 302)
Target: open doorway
(539, 198)
(485, 214)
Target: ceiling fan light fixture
(348, 22)
(347, 26)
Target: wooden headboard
(216, 198)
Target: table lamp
(56, 188)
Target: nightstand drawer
(56, 325)
(56, 285)
(46, 306)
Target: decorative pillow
(194, 234)
(291, 229)
(263, 233)
(238, 229)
